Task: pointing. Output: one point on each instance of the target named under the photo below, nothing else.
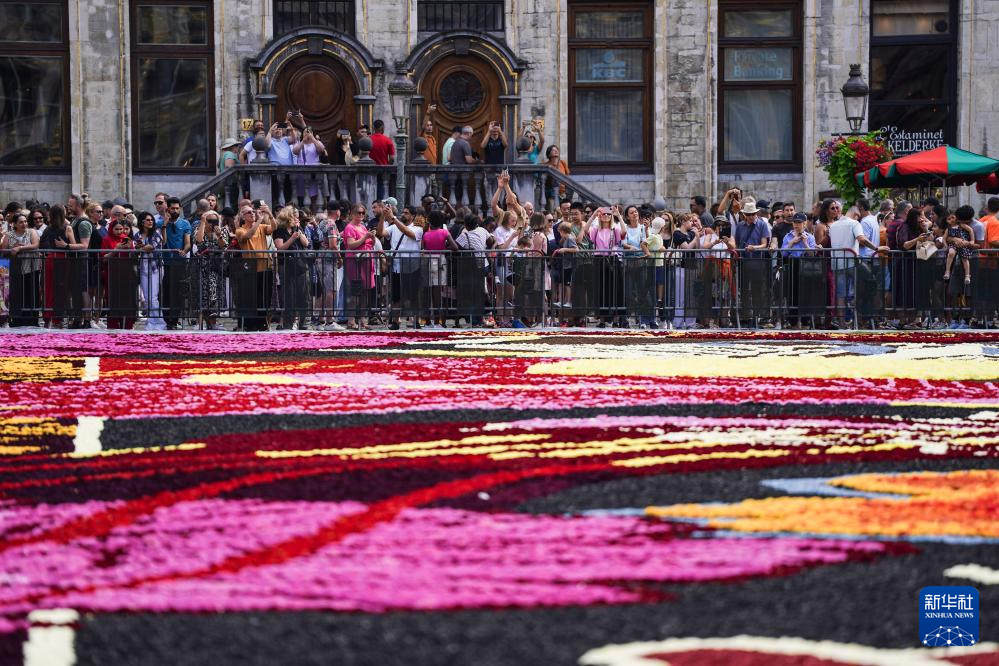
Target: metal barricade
(256, 290)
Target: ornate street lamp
(401, 93)
(855, 95)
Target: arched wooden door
(322, 88)
(466, 91)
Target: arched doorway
(321, 88)
(328, 75)
(451, 69)
(466, 91)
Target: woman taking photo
(150, 242)
(21, 244)
(119, 274)
(290, 241)
(359, 267)
(211, 244)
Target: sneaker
(556, 304)
(333, 326)
(218, 327)
(96, 323)
(294, 326)
(963, 327)
(519, 324)
(394, 326)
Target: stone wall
(835, 34)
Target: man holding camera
(279, 151)
(404, 239)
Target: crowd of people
(737, 262)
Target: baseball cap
(763, 204)
(391, 201)
(799, 217)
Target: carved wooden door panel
(323, 89)
(466, 91)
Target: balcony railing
(365, 182)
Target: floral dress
(210, 250)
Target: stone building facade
(669, 97)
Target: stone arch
(463, 43)
(362, 66)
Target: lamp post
(855, 95)
(401, 93)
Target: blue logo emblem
(948, 616)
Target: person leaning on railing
(20, 243)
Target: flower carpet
(468, 497)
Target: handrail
(531, 176)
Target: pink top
(435, 240)
(356, 232)
(605, 239)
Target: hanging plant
(843, 157)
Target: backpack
(94, 243)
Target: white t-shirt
(979, 229)
(843, 234)
(400, 242)
(872, 231)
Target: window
(759, 95)
(34, 81)
(610, 87)
(913, 67)
(441, 15)
(173, 88)
(294, 14)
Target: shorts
(563, 276)
(660, 275)
(437, 276)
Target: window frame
(795, 85)
(47, 50)
(950, 99)
(199, 52)
(647, 44)
(350, 22)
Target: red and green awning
(944, 165)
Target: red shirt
(381, 149)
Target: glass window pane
(173, 112)
(30, 22)
(610, 25)
(758, 126)
(609, 126)
(31, 111)
(759, 65)
(910, 17)
(756, 24)
(609, 65)
(909, 72)
(173, 24)
(912, 128)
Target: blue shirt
(752, 234)
(800, 248)
(175, 237)
(158, 219)
(280, 152)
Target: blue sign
(948, 616)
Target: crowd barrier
(673, 288)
